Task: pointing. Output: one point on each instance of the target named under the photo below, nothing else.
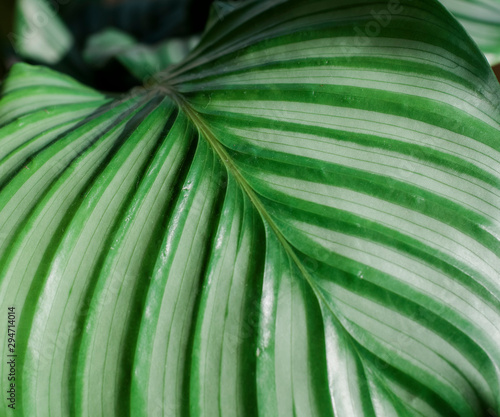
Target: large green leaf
(301, 218)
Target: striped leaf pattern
(302, 218)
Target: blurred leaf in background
(481, 20)
(141, 60)
(56, 32)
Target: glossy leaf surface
(301, 218)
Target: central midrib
(231, 167)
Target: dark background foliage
(6, 21)
(149, 21)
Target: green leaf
(301, 218)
